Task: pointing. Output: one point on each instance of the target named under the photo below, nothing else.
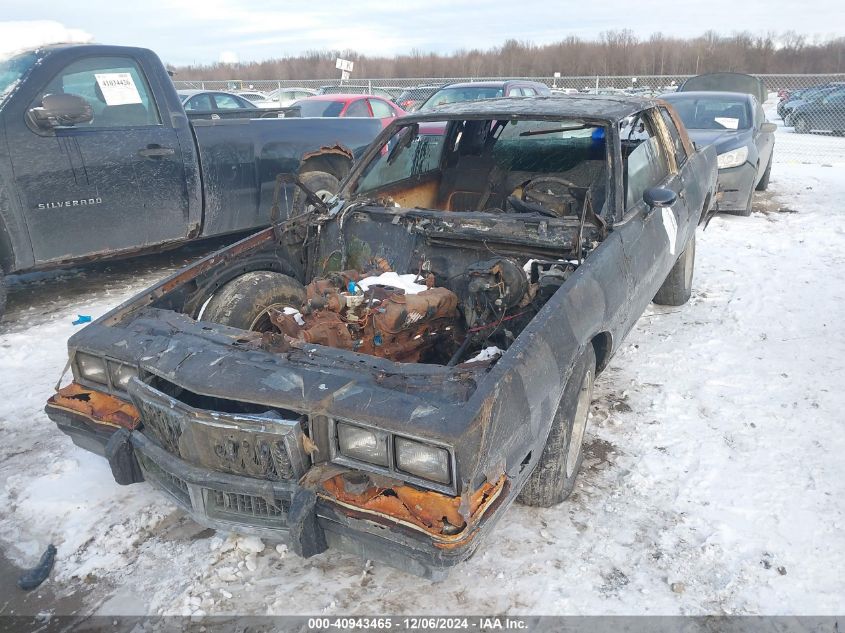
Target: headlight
(732, 158)
(362, 444)
(92, 368)
(423, 460)
(121, 374)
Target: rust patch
(99, 407)
(333, 150)
(435, 513)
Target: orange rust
(333, 150)
(97, 406)
(431, 511)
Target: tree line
(615, 52)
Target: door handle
(156, 151)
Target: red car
(349, 105)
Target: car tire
(323, 184)
(801, 125)
(553, 477)
(243, 302)
(677, 287)
(2, 293)
(764, 181)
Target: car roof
(704, 94)
(603, 107)
(489, 84)
(342, 96)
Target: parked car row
(819, 107)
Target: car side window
(201, 103)
(380, 109)
(528, 92)
(645, 159)
(115, 87)
(358, 108)
(515, 91)
(675, 136)
(226, 102)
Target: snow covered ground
(714, 480)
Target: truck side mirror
(659, 197)
(58, 110)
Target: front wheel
(801, 125)
(245, 302)
(553, 478)
(324, 185)
(764, 181)
(677, 287)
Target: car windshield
(712, 113)
(11, 72)
(450, 164)
(318, 108)
(455, 94)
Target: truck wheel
(764, 181)
(553, 478)
(244, 301)
(323, 184)
(677, 287)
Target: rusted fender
(99, 407)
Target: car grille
(178, 488)
(264, 446)
(233, 506)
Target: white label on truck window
(671, 226)
(118, 88)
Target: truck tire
(244, 301)
(764, 181)
(677, 287)
(553, 478)
(323, 184)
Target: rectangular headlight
(363, 444)
(423, 460)
(121, 374)
(732, 158)
(92, 368)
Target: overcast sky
(188, 31)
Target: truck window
(114, 86)
(674, 135)
(646, 163)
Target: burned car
(387, 371)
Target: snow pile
(21, 35)
(408, 283)
(488, 353)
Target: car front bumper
(299, 512)
(735, 187)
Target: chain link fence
(809, 110)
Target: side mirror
(658, 197)
(60, 110)
(768, 127)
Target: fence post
(202, 85)
(279, 93)
(597, 84)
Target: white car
(283, 97)
(258, 99)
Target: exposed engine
(387, 315)
(406, 318)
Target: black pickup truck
(98, 159)
(387, 372)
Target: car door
(652, 239)
(830, 112)
(764, 140)
(113, 184)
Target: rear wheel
(801, 125)
(321, 183)
(245, 301)
(553, 478)
(677, 287)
